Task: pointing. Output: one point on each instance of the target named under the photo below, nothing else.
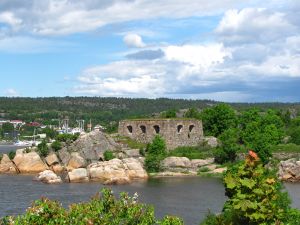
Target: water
(189, 198)
(8, 148)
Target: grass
(130, 142)
(290, 147)
(191, 152)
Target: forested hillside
(105, 110)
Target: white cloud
(10, 92)
(53, 17)
(10, 19)
(134, 40)
(253, 47)
(253, 25)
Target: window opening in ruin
(156, 128)
(191, 127)
(129, 129)
(189, 136)
(179, 128)
(143, 129)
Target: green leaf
(248, 183)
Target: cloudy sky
(228, 50)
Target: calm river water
(189, 198)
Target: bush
(156, 152)
(295, 135)
(104, 209)
(56, 145)
(11, 155)
(67, 137)
(43, 149)
(229, 148)
(217, 119)
(108, 155)
(1, 156)
(255, 197)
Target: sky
(224, 50)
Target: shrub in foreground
(104, 209)
(255, 197)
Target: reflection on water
(189, 198)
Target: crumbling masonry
(176, 132)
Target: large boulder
(171, 162)
(7, 166)
(78, 175)
(64, 156)
(48, 177)
(117, 171)
(29, 162)
(57, 168)
(134, 168)
(211, 141)
(289, 170)
(52, 159)
(76, 161)
(201, 162)
(91, 147)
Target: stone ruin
(176, 132)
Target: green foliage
(1, 156)
(255, 197)
(104, 209)
(294, 133)
(192, 152)
(130, 142)
(43, 149)
(203, 170)
(56, 145)
(290, 147)
(192, 113)
(156, 152)
(261, 132)
(7, 127)
(170, 113)
(229, 148)
(108, 155)
(11, 155)
(67, 137)
(142, 152)
(217, 119)
(50, 133)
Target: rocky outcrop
(117, 171)
(76, 161)
(51, 159)
(182, 166)
(48, 177)
(289, 170)
(211, 141)
(29, 162)
(7, 166)
(78, 175)
(175, 163)
(201, 162)
(90, 146)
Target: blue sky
(229, 50)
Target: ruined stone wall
(175, 132)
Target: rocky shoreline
(83, 161)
